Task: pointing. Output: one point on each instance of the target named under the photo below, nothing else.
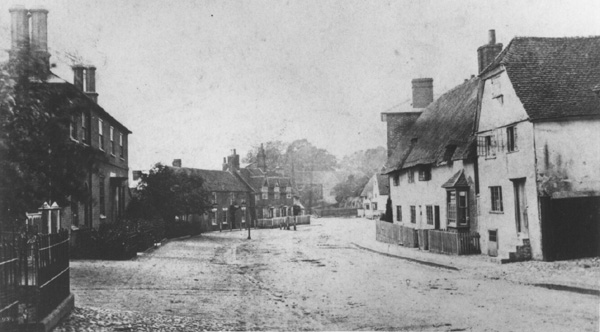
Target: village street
(315, 278)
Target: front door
(521, 207)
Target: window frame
(86, 124)
(112, 140)
(496, 200)
(413, 214)
(101, 134)
(424, 173)
(398, 212)
(411, 175)
(429, 213)
(396, 179)
(511, 139)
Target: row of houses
(511, 154)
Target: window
(451, 203)
(486, 146)
(367, 207)
(224, 217)
(121, 146)
(398, 213)
(101, 196)
(101, 134)
(73, 127)
(496, 194)
(265, 192)
(429, 212)
(112, 140)
(411, 176)
(511, 139)
(85, 128)
(424, 173)
(413, 214)
(374, 206)
(396, 179)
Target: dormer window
(425, 173)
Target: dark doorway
(570, 228)
(437, 217)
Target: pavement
(330, 275)
(578, 275)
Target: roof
(215, 180)
(55, 82)
(368, 188)
(441, 133)
(457, 180)
(553, 77)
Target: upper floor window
(374, 206)
(112, 140)
(424, 173)
(73, 127)
(511, 139)
(121, 147)
(411, 176)
(486, 146)
(396, 180)
(496, 196)
(101, 134)
(85, 128)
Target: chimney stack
(261, 159)
(90, 83)
(487, 53)
(19, 28)
(78, 76)
(176, 162)
(39, 38)
(422, 92)
(136, 175)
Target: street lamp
(244, 216)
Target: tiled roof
(441, 133)
(215, 180)
(457, 180)
(553, 77)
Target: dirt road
(311, 279)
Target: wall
(568, 157)
(498, 171)
(496, 112)
(423, 193)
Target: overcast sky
(194, 79)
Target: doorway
(521, 221)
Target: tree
(351, 187)
(38, 161)
(366, 162)
(169, 192)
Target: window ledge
(496, 212)
(510, 152)
(74, 140)
(490, 157)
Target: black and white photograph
(299, 165)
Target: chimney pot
(492, 37)
(422, 92)
(176, 162)
(78, 76)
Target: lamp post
(214, 209)
(244, 216)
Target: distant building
(375, 195)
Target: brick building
(90, 124)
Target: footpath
(579, 275)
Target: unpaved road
(316, 279)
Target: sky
(195, 79)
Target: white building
(375, 195)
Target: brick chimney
(233, 161)
(136, 175)
(39, 39)
(78, 76)
(19, 28)
(176, 162)
(90, 83)
(487, 53)
(422, 92)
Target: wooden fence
(335, 212)
(34, 275)
(387, 232)
(454, 243)
(283, 222)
